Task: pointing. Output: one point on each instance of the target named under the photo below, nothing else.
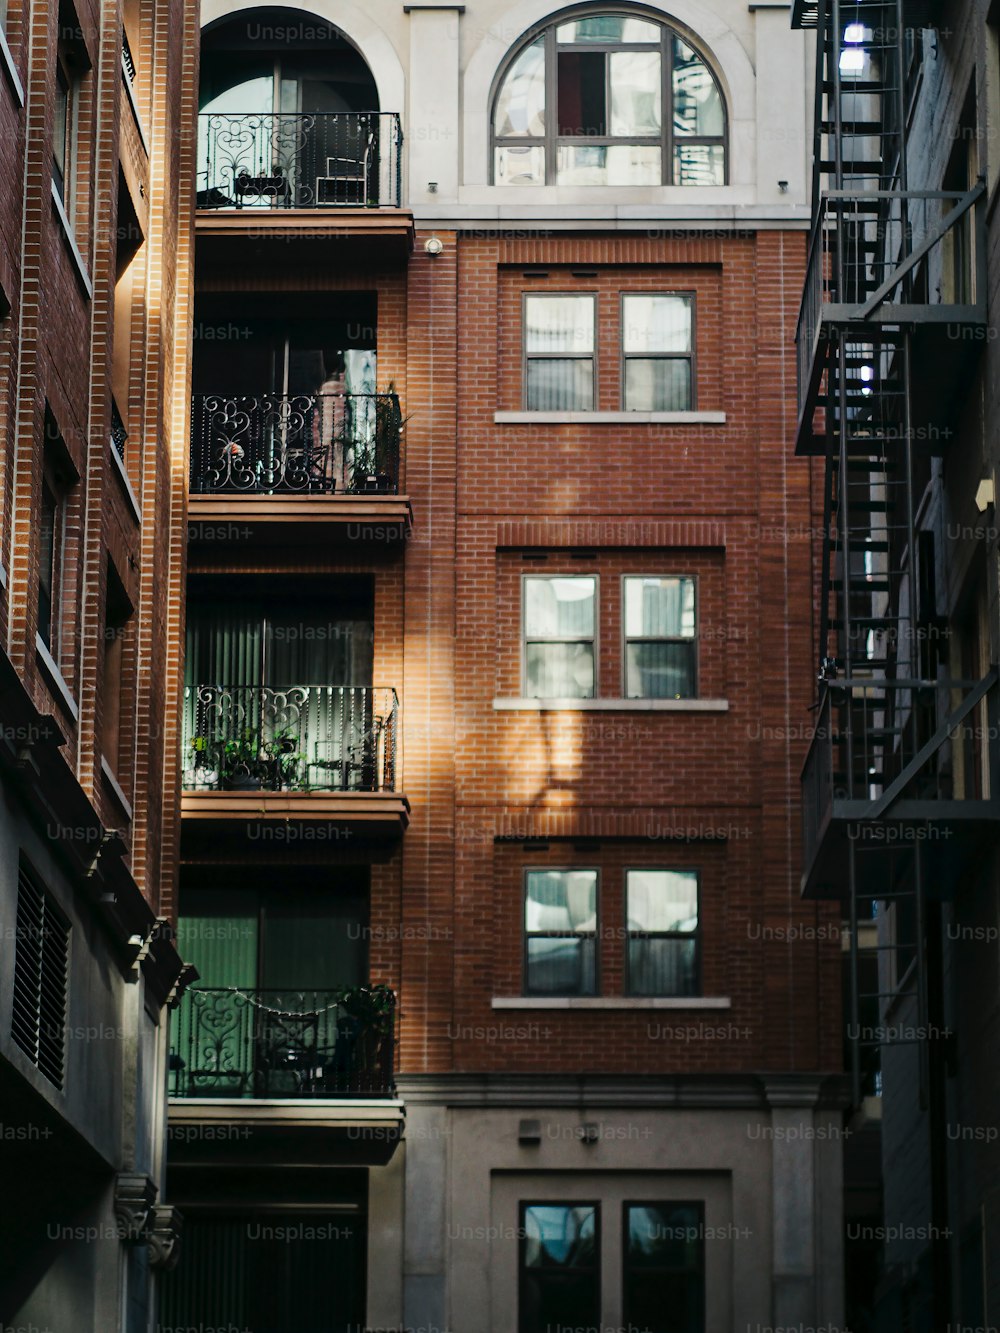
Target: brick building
(509, 1013)
(93, 402)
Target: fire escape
(898, 792)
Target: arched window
(583, 104)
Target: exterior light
(433, 245)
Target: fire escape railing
(879, 256)
(897, 750)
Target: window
(661, 908)
(560, 920)
(608, 99)
(64, 131)
(559, 353)
(41, 965)
(58, 478)
(657, 353)
(559, 633)
(559, 1281)
(660, 647)
(663, 1267)
(118, 613)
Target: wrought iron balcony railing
(299, 160)
(243, 1042)
(292, 738)
(889, 256)
(304, 443)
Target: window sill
(611, 705)
(74, 249)
(127, 485)
(11, 68)
(112, 781)
(56, 679)
(609, 418)
(611, 1002)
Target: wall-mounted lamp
(433, 245)
(432, 187)
(783, 186)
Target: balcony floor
(299, 518)
(365, 813)
(352, 1131)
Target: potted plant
(241, 762)
(283, 759)
(365, 1030)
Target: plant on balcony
(371, 1006)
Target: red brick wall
(727, 502)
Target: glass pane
(699, 164)
(662, 967)
(660, 323)
(560, 965)
(560, 386)
(581, 165)
(519, 165)
(555, 324)
(662, 900)
(580, 83)
(697, 104)
(664, 1235)
(659, 671)
(657, 386)
(617, 164)
(560, 606)
(561, 1235)
(659, 608)
(560, 900)
(559, 670)
(607, 28)
(635, 93)
(520, 106)
(664, 1268)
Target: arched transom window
(583, 104)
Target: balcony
(235, 1042)
(285, 460)
(257, 753)
(304, 174)
(882, 258)
(892, 764)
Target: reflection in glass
(559, 324)
(660, 323)
(699, 164)
(559, 607)
(521, 103)
(519, 165)
(635, 93)
(615, 164)
(697, 101)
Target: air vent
(41, 957)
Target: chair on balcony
(287, 1061)
(347, 178)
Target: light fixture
(783, 186)
(433, 245)
(432, 187)
(985, 495)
